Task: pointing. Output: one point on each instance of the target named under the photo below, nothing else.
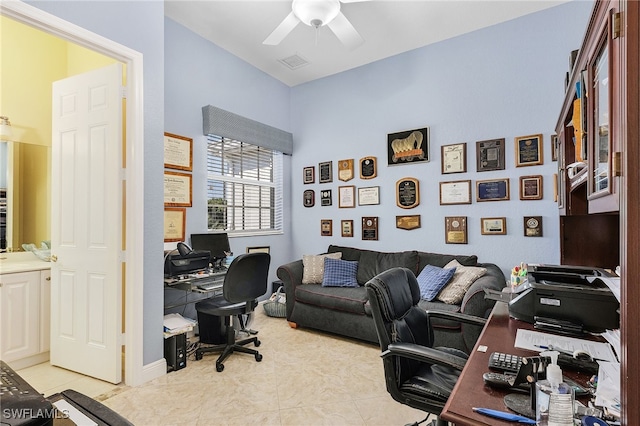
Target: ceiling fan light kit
(316, 13)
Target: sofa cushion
(347, 299)
(348, 253)
(432, 279)
(313, 265)
(340, 273)
(373, 263)
(441, 260)
(454, 292)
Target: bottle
(554, 398)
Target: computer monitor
(216, 243)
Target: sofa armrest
(291, 276)
(474, 302)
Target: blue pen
(503, 415)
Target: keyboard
(209, 283)
(21, 404)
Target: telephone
(574, 169)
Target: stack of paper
(177, 324)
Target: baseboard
(154, 370)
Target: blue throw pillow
(340, 273)
(432, 279)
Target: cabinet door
(19, 315)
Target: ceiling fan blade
(282, 30)
(345, 32)
(353, 1)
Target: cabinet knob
(48, 279)
(54, 258)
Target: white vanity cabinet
(24, 317)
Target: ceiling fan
(318, 13)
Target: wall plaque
(407, 193)
(345, 170)
(455, 230)
(533, 226)
(346, 227)
(368, 169)
(326, 227)
(408, 222)
(490, 155)
(408, 146)
(492, 190)
(326, 172)
(369, 228)
(325, 197)
(309, 198)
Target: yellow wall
(31, 61)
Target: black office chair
(416, 373)
(245, 281)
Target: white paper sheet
(612, 282)
(532, 340)
(73, 413)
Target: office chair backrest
(246, 277)
(394, 296)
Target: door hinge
(616, 25)
(122, 256)
(123, 91)
(616, 164)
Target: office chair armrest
(456, 316)
(424, 354)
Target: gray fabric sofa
(346, 310)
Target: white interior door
(86, 230)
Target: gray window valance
(218, 122)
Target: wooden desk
(498, 335)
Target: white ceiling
(388, 28)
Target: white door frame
(135, 373)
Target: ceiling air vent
(294, 61)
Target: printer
(566, 298)
(185, 261)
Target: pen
(553, 348)
(503, 415)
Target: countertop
(21, 262)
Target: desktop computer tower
(175, 351)
(211, 329)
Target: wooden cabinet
(590, 129)
(24, 318)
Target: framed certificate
(493, 226)
(457, 192)
(346, 228)
(178, 152)
(455, 230)
(347, 196)
(174, 224)
(492, 190)
(490, 155)
(177, 189)
(454, 158)
(529, 150)
(369, 196)
(531, 187)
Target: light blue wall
(139, 26)
(500, 82)
(199, 73)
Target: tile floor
(305, 378)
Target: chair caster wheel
(198, 356)
(258, 357)
(219, 367)
(257, 343)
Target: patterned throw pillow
(454, 292)
(431, 280)
(340, 273)
(313, 265)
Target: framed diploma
(369, 228)
(347, 196)
(408, 222)
(326, 172)
(346, 228)
(533, 226)
(492, 190)
(529, 150)
(177, 189)
(326, 227)
(325, 197)
(309, 175)
(531, 187)
(490, 155)
(455, 230)
(369, 196)
(345, 170)
(555, 147)
(454, 158)
(178, 152)
(368, 168)
(408, 147)
(174, 224)
(407, 193)
(493, 226)
(458, 192)
(309, 198)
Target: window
(244, 187)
